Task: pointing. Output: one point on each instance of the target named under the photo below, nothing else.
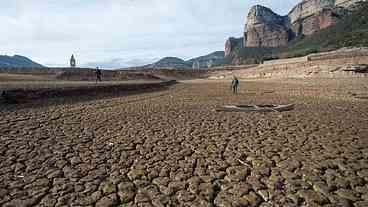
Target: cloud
(49, 31)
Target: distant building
(196, 65)
(73, 63)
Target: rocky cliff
(232, 44)
(264, 28)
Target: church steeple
(72, 62)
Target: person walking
(98, 75)
(235, 85)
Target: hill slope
(170, 62)
(213, 59)
(17, 61)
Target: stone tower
(72, 62)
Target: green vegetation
(252, 55)
(351, 30)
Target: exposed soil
(170, 148)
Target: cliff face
(310, 16)
(233, 43)
(264, 28)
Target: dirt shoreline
(14, 96)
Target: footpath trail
(170, 148)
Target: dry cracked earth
(170, 148)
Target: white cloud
(49, 31)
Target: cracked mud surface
(170, 148)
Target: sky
(122, 33)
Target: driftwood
(256, 108)
(359, 68)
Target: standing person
(98, 75)
(235, 85)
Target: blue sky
(122, 33)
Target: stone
(185, 196)
(264, 194)
(107, 201)
(312, 197)
(126, 192)
(223, 199)
(347, 194)
(253, 199)
(108, 188)
(136, 174)
(75, 161)
(321, 188)
(48, 200)
(238, 173)
(141, 198)
(361, 204)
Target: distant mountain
(17, 61)
(171, 62)
(117, 63)
(207, 61)
(213, 59)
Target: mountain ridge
(18, 61)
(206, 61)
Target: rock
(313, 197)
(321, 188)
(223, 199)
(240, 189)
(19, 203)
(231, 44)
(48, 200)
(185, 196)
(361, 204)
(161, 181)
(264, 28)
(347, 194)
(363, 174)
(107, 201)
(108, 188)
(264, 194)
(309, 17)
(95, 196)
(136, 174)
(161, 201)
(238, 173)
(253, 199)
(141, 198)
(75, 161)
(126, 192)
(55, 174)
